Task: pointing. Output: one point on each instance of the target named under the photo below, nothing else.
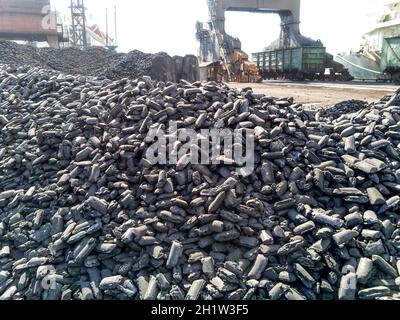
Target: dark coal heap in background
(101, 62)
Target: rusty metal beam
(78, 18)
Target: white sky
(169, 25)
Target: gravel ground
(322, 94)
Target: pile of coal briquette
(85, 215)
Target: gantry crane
(217, 46)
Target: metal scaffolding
(78, 18)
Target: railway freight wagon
(304, 63)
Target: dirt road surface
(320, 94)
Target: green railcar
(293, 63)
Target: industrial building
(36, 21)
(29, 21)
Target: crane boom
(220, 39)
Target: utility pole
(115, 26)
(78, 18)
(106, 27)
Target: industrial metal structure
(221, 54)
(85, 31)
(29, 20)
(291, 56)
(95, 35)
(289, 11)
(34, 21)
(78, 23)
